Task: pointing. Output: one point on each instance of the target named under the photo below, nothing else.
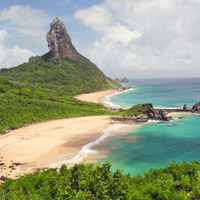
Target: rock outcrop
(154, 114)
(32, 58)
(186, 108)
(59, 41)
(146, 112)
(196, 107)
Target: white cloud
(120, 33)
(12, 56)
(24, 16)
(25, 24)
(95, 16)
(150, 35)
(3, 35)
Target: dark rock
(196, 107)
(3, 178)
(59, 41)
(1, 164)
(32, 58)
(186, 108)
(17, 163)
(163, 115)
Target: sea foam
(87, 149)
(106, 99)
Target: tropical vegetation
(44, 89)
(178, 181)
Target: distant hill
(123, 80)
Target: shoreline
(55, 142)
(90, 152)
(103, 97)
(105, 100)
(61, 141)
(32, 146)
(95, 97)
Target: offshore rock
(196, 107)
(59, 41)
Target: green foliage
(20, 105)
(177, 181)
(137, 110)
(64, 75)
(43, 90)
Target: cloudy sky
(133, 38)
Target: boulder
(196, 107)
(186, 108)
(163, 115)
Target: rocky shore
(156, 114)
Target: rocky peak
(59, 41)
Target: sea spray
(107, 99)
(86, 149)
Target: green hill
(20, 105)
(64, 75)
(44, 87)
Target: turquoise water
(158, 143)
(161, 92)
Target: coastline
(55, 142)
(95, 97)
(62, 141)
(105, 100)
(102, 97)
(33, 146)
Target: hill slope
(44, 87)
(20, 105)
(64, 74)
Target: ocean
(157, 144)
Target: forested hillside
(21, 104)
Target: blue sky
(133, 38)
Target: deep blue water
(158, 143)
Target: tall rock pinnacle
(59, 41)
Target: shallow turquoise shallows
(157, 144)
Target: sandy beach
(37, 144)
(48, 144)
(95, 97)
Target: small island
(123, 80)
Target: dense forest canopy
(178, 181)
